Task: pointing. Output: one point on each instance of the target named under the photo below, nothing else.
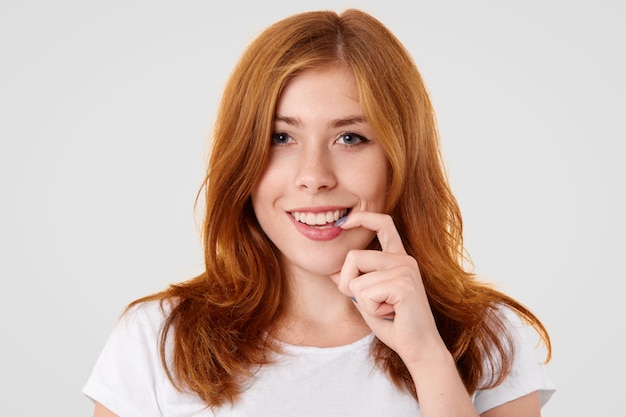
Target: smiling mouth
(318, 219)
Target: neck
(318, 314)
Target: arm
(388, 283)
(526, 406)
(102, 411)
(439, 386)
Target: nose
(315, 172)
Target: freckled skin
(324, 155)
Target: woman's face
(324, 163)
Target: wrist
(427, 353)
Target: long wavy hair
(221, 321)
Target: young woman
(334, 280)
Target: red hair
(221, 321)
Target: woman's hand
(388, 291)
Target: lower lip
(316, 233)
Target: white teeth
(318, 219)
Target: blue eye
(280, 138)
(349, 138)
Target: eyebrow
(346, 121)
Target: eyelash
(360, 138)
(286, 138)
(277, 135)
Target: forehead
(328, 88)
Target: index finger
(382, 224)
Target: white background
(105, 111)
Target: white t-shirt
(129, 380)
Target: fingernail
(340, 221)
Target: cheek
(256, 196)
(265, 192)
(261, 208)
(380, 186)
(374, 183)
(262, 187)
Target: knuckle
(353, 285)
(351, 256)
(343, 285)
(412, 263)
(388, 220)
(386, 217)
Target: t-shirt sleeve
(128, 371)
(528, 373)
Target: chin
(309, 265)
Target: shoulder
(137, 335)
(519, 339)
(128, 377)
(528, 373)
(139, 329)
(146, 315)
(523, 340)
